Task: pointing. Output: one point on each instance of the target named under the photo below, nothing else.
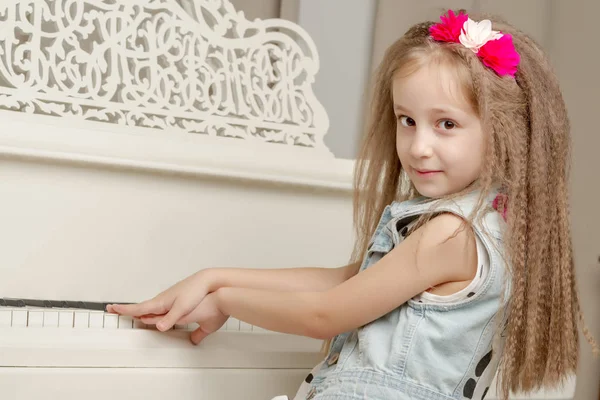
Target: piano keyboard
(24, 313)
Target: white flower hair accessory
(475, 34)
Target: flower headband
(495, 49)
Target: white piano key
(19, 318)
(233, 324)
(125, 322)
(96, 320)
(258, 329)
(81, 319)
(36, 319)
(50, 319)
(111, 321)
(137, 324)
(5, 318)
(245, 327)
(65, 319)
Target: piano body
(140, 143)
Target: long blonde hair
(528, 153)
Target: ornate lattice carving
(150, 63)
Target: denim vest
(421, 350)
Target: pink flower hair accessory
(495, 49)
(500, 204)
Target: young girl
(464, 257)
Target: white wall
(577, 67)
(345, 54)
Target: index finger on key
(135, 310)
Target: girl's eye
(406, 121)
(447, 124)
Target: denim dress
(423, 350)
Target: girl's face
(439, 139)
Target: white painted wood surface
(139, 145)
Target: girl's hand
(207, 314)
(169, 307)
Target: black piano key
(57, 304)
(11, 302)
(36, 303)
(76, 304)
(83, 305)
(94, 306)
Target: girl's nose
(422, 145)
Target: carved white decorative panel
(150, 63)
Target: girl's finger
(135, 310)
(170, 319)
(151, 320)
(198, 335)
(149, 316)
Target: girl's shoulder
(485, 211)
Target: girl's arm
(184, 297)
(289, 279)
(441, 251)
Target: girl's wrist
(210, 279)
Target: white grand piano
(139, 143)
